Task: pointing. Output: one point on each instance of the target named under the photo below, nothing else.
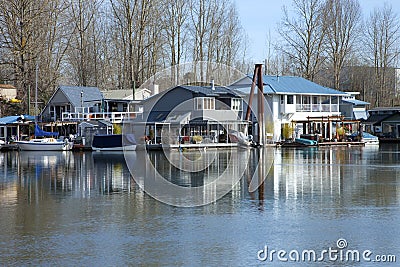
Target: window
(198, 103)
(204, 103)
(289, 100)
(236, 104)
(282, 99)
(209, 103)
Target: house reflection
(323, 176)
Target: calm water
(84, 209)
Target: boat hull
(42, 146)
(113, 142)
(370, 142)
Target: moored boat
(367, 138)
(44, 144)
(114, 142)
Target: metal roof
(377, 118)
(125, 94)
(117, 94)
(386, 109)
(14, 119)
(355, 102)
(290, 85)
(209, 91)
(297, 85)
(90, 95)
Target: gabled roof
(90, 95)
(290, 85)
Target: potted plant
(197, 139)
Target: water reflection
(38, 174)
(53, 206)
(359, 175)
(189, 178)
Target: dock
(8, 147)
(341, 144)
(191, 146)
(322, 144)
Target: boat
(114, 142)
(367, 138)
(306, 142)
(46, 143)
(240, 138)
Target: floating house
(79, 103)
(72, 102)
(186, 114)
(352, 108)
(295, 101)
(384, 122)
(11, 127)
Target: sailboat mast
(36, 91)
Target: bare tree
(304, 36)
(57, 34)
(112, 43)
(125, 12)
(382, 41)
(174, 27)
(342, 18)
(30, 34)
(81, 54)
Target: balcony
(317, 108)
(113, 117)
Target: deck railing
(113, 117)
(317, 107)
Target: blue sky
(259, 17)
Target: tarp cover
(40, 132)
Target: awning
(360, 115)
(15, 119)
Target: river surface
(85, 209)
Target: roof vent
(212, 85)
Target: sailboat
(47, 143)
